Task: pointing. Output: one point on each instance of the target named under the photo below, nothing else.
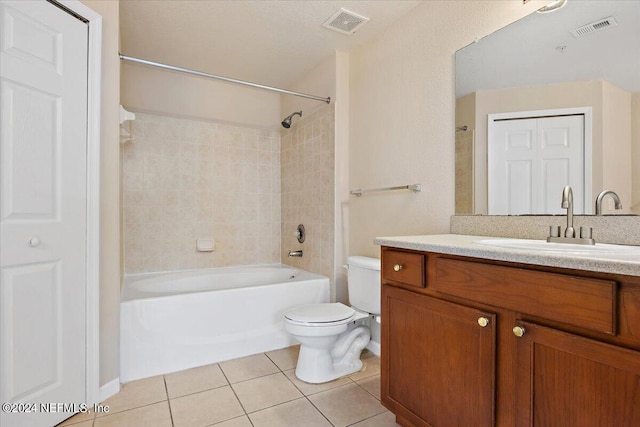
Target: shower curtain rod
(224, 79)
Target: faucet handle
(586, 232)
(554, 231)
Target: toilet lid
(320, 313)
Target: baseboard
(109, 389)
(374, 347)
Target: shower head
(286, 123)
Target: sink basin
(544, 246)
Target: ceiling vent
(601, 24)
(345, 22)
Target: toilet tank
(363, 282)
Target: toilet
(332, 335)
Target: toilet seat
(330, 314)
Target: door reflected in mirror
(516, 92)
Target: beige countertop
(465, 245)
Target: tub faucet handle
(300, 233)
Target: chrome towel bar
(413, 187)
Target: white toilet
(330, 338)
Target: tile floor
(259, 390)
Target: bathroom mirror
(516, 88)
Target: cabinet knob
(397, 267)
(34, 241)
(518, 331)
(483, 321)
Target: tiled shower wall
(464, 172)
(188, 179)
(308, 159)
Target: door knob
(397, 267)
(34, 241)
(518, 331)
(483, 321)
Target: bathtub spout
(346, 352)
(295, 254)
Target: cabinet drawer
(583, 302)
(404, 267)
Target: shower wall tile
(464, 174)
(187, 179)
(307, 159)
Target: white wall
(319, 81)
(154, 90)
(109, 191)
(402, 117)
(616, 145)
(635, 152)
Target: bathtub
(175, 321)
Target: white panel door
(530, 162)
(43, 120)
(561, 161)
(512, 156)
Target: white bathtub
(175, 321)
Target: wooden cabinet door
(567, 380)
(438, 362)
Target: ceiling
(540, 49)
(268, 42)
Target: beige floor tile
(371, 367)
(285, 358)
(366, 354)
(77, 418)
(242, 421)
(194, 380)
(156, 415)
(291, 414)
(205, 408)
(346, 405)
(308, 389)
(248, 368)
(136, 393)
(372, 385)
(263, 392)
(88, 423)
(386, 419)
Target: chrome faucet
(601, 197)
(567, 203)
(295, 254)
(555, 236)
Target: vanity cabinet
(484, 343)
(441, 373)
(566, 379)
